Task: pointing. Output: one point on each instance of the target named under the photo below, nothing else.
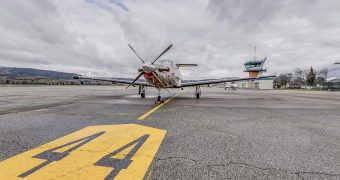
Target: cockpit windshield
(165, 63)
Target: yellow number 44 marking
(96, 152)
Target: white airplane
(164, 74)
(232, 86)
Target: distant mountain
(29, 72)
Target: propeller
(167, 49)
(153, 73)
(136, 53)
(140, 74)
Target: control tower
(255, 67)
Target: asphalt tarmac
(273, 134)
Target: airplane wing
(217, 81)
(113, 80)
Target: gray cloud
(91, 36)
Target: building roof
(333, 80)
(254, 62)
(255, 65)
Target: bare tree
(299, 77)
(305, 75)
(290, 77)
(321, 76)
(298, 72)
(282, 80)
(323, 73)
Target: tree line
(300, 78)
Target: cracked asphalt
(276, 134)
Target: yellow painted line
(95, 152)
(157, 107)
(149, 175)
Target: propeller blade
(136, 53)
(167, 49)
(135, 80)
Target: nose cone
(148, 68)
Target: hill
(29, 72)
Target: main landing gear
(141, 91)
(198, 92)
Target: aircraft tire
(142, 95)
(197, 96)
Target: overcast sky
(91, 36)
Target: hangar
(332, 84)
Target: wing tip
(80, 77)
(76, 77)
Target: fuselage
(164, 74)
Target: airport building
(255, 68)
(333, 84)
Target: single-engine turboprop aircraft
(164, 74)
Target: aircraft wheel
(142, 95)
(159, 100)
(197, 96)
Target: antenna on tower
(255, 52)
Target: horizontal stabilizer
(186, 65)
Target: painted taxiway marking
(157, 107)
(96, 152)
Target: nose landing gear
(159, 98)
